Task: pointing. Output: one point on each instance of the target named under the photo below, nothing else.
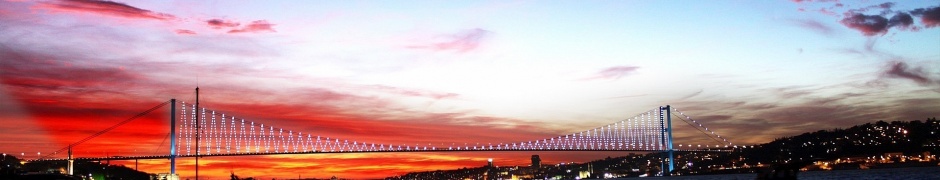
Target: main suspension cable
(107, 129)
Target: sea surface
(890, 173)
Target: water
(892, 173)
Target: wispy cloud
(615, 72)
(221, 23)
(106, 8)
(255, 27)
(461, 42)
(122, 10)
(185, 32)
(900, 69)
(814, 26)
(804, 1)
(413, 92)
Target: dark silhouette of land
(871, 145)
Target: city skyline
(457, 72)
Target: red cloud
(255, 26)
(56, 93)
(220, 23)
(71, 94)
(107, 8)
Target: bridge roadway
(366, 151)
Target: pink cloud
(461, 42)
(413, 92)
(255, 26)
(220, 23)
(185, 32)
(106, 8)
(827, 12)
(615, 72)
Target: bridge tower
(172, 136)
(665, 119)
(71, 166)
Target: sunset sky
(408, 72)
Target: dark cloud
(869, 25)
(108, 8)
(929, 16)
(886, 5)
(901, 20)
(875, 23)
(461, 42)
(220, 23)
(255, 27)
(899, 69)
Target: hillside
(911, 138)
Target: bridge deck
(375, 151)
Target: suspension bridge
(202, 132)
